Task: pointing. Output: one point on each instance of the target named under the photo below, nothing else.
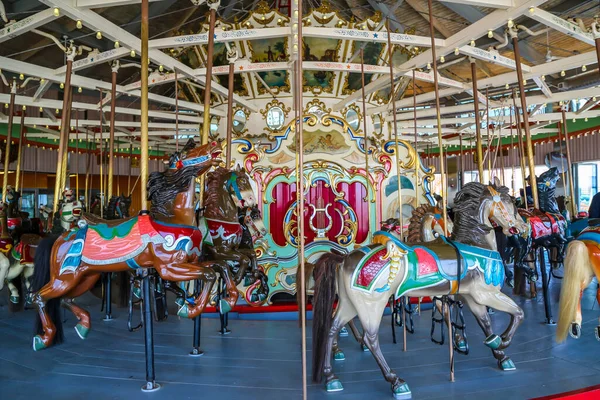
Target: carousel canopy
(473, 39)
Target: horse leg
(28, 270)
(4, 267)
(357, 335)
(14, 271)
(188, 272)
(343, 314)
(232, 293)
(458, 340)
(371, 319)
(85, 324)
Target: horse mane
(163, 188)
(111, 208)
(416, 222)
(547, 194)
(467, 228)
(214, 183)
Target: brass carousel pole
(11, 110)
(207, 86)
(129, 174)
(513, 158)
(176, 120)
(64, 178)
(530, 156)
(232, 56)
(479, 147)
(417, 162)
(366, 142)
(569, 167)
(20, 151)
(64, 132)
(87, 169)
(102, 192)
(77, 154)
(461, 162)
(442, 164)
(521, 150)
(393, 99)
(489, 139)
(111, 143)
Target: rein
(232, 183)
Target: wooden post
(20, 151)
(366, 142)
(479, 147)
(11, 111)
(569, 166)
(393, 100)
(530, 156)
(64, 133)
(441, 146)
(111, 140)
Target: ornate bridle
(498, 207)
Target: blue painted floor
(261, 360)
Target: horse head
(501, 209)
(548, 179)
(239, 188)
(206, 156)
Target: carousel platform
(261, 359)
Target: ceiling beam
(25, 25)
(106, 3)
(561, 25)
(420, 8)
(484, 3)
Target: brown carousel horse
(72, 263)
(465, 266)
(226, 192)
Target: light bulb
(132, 53)
(161, 68)
(57, 110)
(24, 108)
(56, 12)
(507, 86)
(443, 59)
(428, 65)
(117, 44)
(583, 68)
(34, 126)
(79, 24)
(473, 43)
(62, 85)
(594, 98)
(573, 119)
(531, 10)
(490, 34)
(510, 23)
(278, 20)
(543, 77)
(42, 80)
(586, 120)
(99, 35)
(41, 109)
(79, 90)
(524, 81)
(562, 73)
(21, 76)
(456, 51)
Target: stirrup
(435, 319)
(408, 309)
(457, 320)
(131, 303)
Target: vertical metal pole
(11, 111)
(298, 43)
(439, 129)
(229, 113)
(176, 114)
(102, 191)
(366, 143)
(530, 156)
(207, 86)
(108, 296)
(418, 162)
(393, 100)
(196, 351)
(569, 166)
(64, 134)
(148, 321)
(87, 169)
(441, 146)
(461, 163)
(129, 174)
(144, 109)
(64, 177)
(479, 147)
(514, 159)
(77, 154)
(489, 139)
(521, 150)
(20, 151)
(111, 140)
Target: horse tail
(308, 271)
(41, 276)
(577, 269)
(323, 298)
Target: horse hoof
(402, 392)
(507, 365)
(575, 331)
(14, 299)
(334, 385)
(224, 307)
(180, 301)
(137, 292)
(365, 348)
(224, 332)
(339, 355)
(183, 311)
(344, 332)
(82, 331)
(461, 346)
(38, 344)
(493, 341)
(491, 311)
(597, 333)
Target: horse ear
(496, 182)
(238, 168)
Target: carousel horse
(426, 224)
(582, 263)
(226, 191)
(118, 207)
(548, 232)
(464, 266)
(69, 265)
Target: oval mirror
(275, 118)
(239, 121)
(214, 124)
(377, 124)
(352, 119)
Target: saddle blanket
(225, 230)
(544, 224)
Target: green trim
(120, 231)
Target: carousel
(262, 198)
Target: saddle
(94, 220)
